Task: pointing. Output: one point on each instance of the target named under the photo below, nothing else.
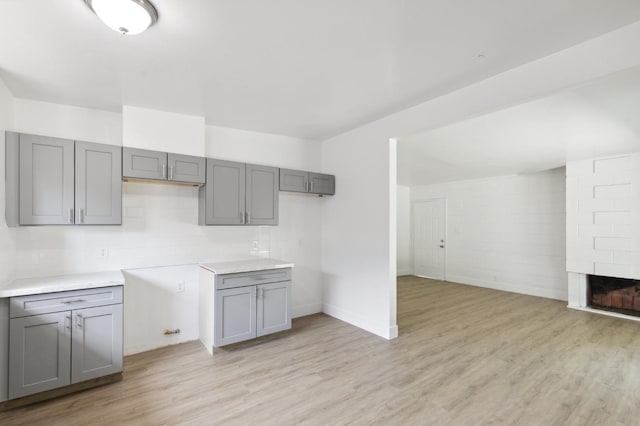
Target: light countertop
(26, 286)
(247, 265)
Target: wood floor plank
(465, 355)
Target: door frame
(446, 234)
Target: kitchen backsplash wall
(159, 227)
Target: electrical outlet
(103, 252)
(181, 286)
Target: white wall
(7, 235)
(7, 242)
(358, 221)
(159, 228)
(404, 263)
(162, 131)
(603, 216)
(506, 233)
(262, 148)
(66, 121)
(357, 260)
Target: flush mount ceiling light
(125, 16)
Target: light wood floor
(465, 355)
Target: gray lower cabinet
(39, 353)
(157, 165)
(272, 310)
(239, 194)
(62, 182)
(235, 315)
(307, 182)
(240, 306)
(96, 344)
(57, 339)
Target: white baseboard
(402, 272)
(304, 310)
(130, 350)
(382, 330)
(549, 293)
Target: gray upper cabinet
(98, 184)
(46, 180)
(222, 199)
(322, 184)
(262, 195)
(307, 182)
(157, 165)
(186, 168)
(239, 194)
(52, 181)
(144, 164)
(294, 180)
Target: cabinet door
(234, 315)
(46, 180)
(96, 342)
(186, 168)
(262, 195)
(144, 164)
(294, 180)
(322, 184)
(273, 308)
(224, 193)
(39, 353)
(98, 184)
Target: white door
(429, 229)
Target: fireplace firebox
(620, 295)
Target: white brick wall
(603, 216)
(506, 233)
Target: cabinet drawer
(36, 304)
(242, 279)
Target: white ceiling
(599, 119)
(293, 67)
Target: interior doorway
(429, 238)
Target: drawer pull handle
(68, 302)
(79, 321)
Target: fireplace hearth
(614, 294)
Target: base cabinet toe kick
(240, 306)
(64, 338)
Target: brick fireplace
(603, 235)
(614, 294)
